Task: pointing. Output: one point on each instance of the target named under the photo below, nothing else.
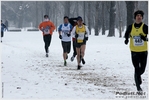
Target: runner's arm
(73, 32)
(52, 26)
(72, 22)
(127, 33)
(60, 29)
(40, 27)
(145, 29)
(71, 27)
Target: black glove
(86, 38)
(76, 36)
(68, 34)
(143, 37)
(126, 41)
(60, 36)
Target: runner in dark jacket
(3, 27)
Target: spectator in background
(3, 27)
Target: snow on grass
(28, 74)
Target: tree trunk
(136, 5)
(120, 20)
(130, 5)
(103, 18)
(112, 19)
(84, 11)
(36, 25)
(67, 8)
(89, 16)
(46, 6)
(21, 17)
(97, 19)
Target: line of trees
(100, 15)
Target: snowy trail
(27, 73)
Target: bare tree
(97, 19)
(37, 20)
(112, 19)
(130, 5)
(89, 16)
(67, 8)
(103, 18)
(120, 19)
(47, 8)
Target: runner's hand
(68, 34)
(60, 36)
(86, 38)
(143, 37)
(126, 41)
(76, 36)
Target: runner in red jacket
(47, 27)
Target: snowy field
(27, 74)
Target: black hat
(66, 17)
(46, 16)
(79, 18)
(138, 12)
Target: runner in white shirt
(65, 36)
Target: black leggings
(2, 34)
(74, 49)
(47, 41)
(139, 60)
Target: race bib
(65, 33)
(47, 30)
(138, 41)
(80, 38)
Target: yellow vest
(136, 43)
(81, 33)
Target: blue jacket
(2, 27)
(60, 27)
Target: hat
(46, 16)
(138, 12)
(79, 18)
(66, 17)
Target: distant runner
(65, 36)
(138, 32)
(73, 22)
(3, 27)
(47, 27)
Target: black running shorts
(66, 46)
(78, 45)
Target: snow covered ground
(27, 74)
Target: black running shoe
(65, 63)
(139, 89)
(79, 67)
(72, 58)
(83, 61)
(47, 55)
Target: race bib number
(47, 30)
(65, 33)
(138, 41)
(80, 37)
